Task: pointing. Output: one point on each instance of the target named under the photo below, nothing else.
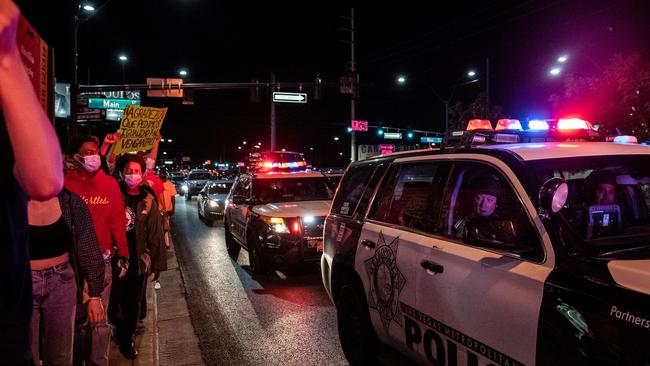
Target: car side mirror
(552, 197)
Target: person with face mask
(146, 245)
(101, 194)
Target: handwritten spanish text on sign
(139, 128)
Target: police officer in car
(603, 185)
(486, 198)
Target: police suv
(277, 213)
(535, 252)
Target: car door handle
(432, 267)
(368, 243)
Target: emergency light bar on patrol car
(510, 131)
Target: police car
(277, 212)
(536, 252)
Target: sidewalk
(168, 337)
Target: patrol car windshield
(197, 176)
(608, 206)
(292, 189)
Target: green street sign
(101, 103)
(279, 97)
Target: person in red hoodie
(104, 200)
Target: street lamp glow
(164, 152)
(170, 140)
(555, 71)
(401, 79)
(88, 7)
(336, 138)
(284, 149)
(123, 58)
(244, 142)
(562, 58)
(311, 148)
(182, 72)
(471, 73)
(238, 147)
(259, 143)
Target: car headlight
(276, 224)
(184, 187)
(213, 203)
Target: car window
(480, 208)
(351, 189)
(608, 203)
(410, 196)
(219, 188)
(199, 176)
(292, 189)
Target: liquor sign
(34, 53)
(386, 148)
(359, 125)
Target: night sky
(434, 47)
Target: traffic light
(255, 92)
(409, 135)
(380, 131)
(318, 88)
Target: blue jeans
(54, 292)
(92, 343)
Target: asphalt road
(245, 319)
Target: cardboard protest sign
(139, 128)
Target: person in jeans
(30, 166)
(64, 254)
(147, 253)
(102, 195)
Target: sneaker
(128, 350)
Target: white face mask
(132, 180)
(91, 162)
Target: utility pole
(355, 85)
(273, 145)
(74, 86)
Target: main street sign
(101, 103)
(282, 97)
(432, 140)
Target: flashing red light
(479, 124)
(508, 124)
(295, 228)
(536, 124)
(573, 124)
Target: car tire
(358, 339)
(256, 262)
(232, 246)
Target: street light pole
(74, 87)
